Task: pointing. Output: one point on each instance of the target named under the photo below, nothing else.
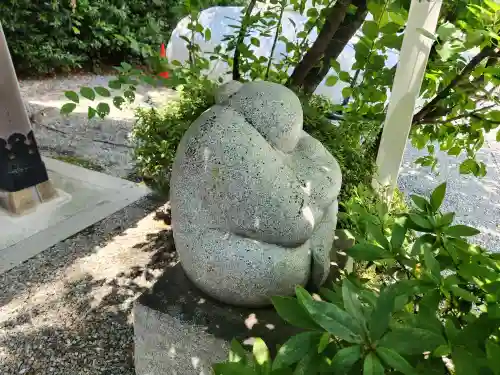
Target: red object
(163, 54)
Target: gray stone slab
(85, 197)
(181, 331)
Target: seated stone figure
(254, 197)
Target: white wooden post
(410, 71)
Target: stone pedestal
(181, 331)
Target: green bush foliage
(436, 311)
(62, 35)
(351, 142)
(158, 132)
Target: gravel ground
(103, 142)
(68, 310)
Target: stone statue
(254, 197)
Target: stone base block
(181, 331)
(24, 201)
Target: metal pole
(23, 177)
(410, 71)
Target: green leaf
(398, 18)
(420, 221)
(335, 65)
(237, 353)
(102, 91)
(420, 202)
(118, 102)
(464, 362)
(446, 219)
(454, 151)
(115, 84)
(126, 66)
(368, 252)
(493, 355)
(331, 80)
(351, 302)
(331, 296)
(381, 315)
(233, 368)
(376, 232)
(73, 96)
(255, 41)
(260, 352)
(346, 92)
(329, 316)
(307, 365)
(461, 231)
(290, 310)
(395, 361)
(390, 28)
(91, 113)
(208, 34)
(411, 341)
(103, 109)
(468, 166)
(295, 349)
(391, 41)
(370, 29)
(462, 293)
(312, 12)
(68, 108)
(345, 77)
(87, 93)
(446, 30)
(437, 196)
(421, 242)
(345, 358)
(323, 342)
(398, 232)
(441, 351)
(372, 365)
(431, 263)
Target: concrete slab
(85, 197)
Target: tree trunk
(241, 38)
(345, 32)
(314, 54)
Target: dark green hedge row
(47, 36)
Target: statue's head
(272, 109)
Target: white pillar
(410, 71)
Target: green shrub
(158, 132)
(436, 311)
(63, 35)
(344, 140)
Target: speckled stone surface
(254, 198)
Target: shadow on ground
(69, 313)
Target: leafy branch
(432, 107)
